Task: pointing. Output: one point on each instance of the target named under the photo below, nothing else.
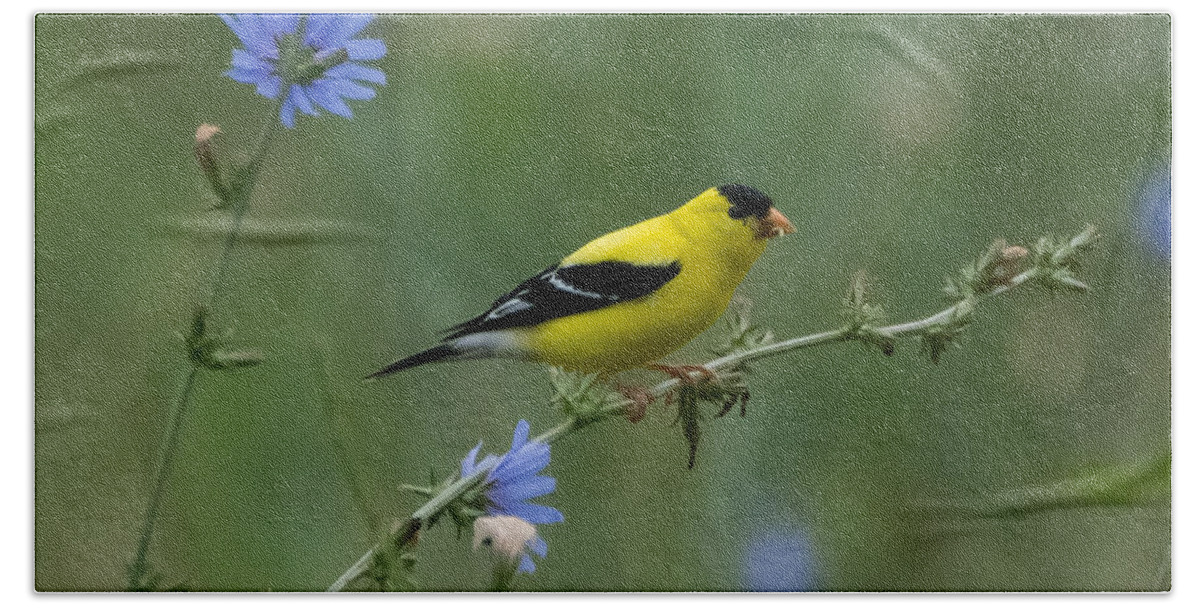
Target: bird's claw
(639, 401)
(696, 384)
(696, 375)
(684, 373)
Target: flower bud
(1008, 264)
(505, 535)
(206, 157)
(1003, 264)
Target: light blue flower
(537, 545)
(781, 560)
(514, 479)
(511, 482)
(1154, 202)
(314, 60)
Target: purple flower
(781, 560)
(538, 546)
(513, 479)
(313, 60)
(1154, 202)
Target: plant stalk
(240, 195)
(452, 492)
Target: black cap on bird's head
(748, 202)
(745, 201)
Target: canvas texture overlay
(804, 302)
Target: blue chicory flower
(1154, 202)
(538, 546)
(313, 60)
(781, 560)
(514, 480)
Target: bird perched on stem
(628, 297)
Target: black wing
(560, 291)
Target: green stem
(502, 575)
(427, 510)
(458, 488)
(241, 202)
(240, 195)
(138, 570)
(838, 335)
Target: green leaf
(863, 319)
(581, 396)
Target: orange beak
(775, 224)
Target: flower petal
(245, 76)
(526, 565)
(246, 60)
(523, 459)
(346, 88)
(270, 86)
(317, 27)
(528, 461)
(522, 489)
(341, 29)
(233, 22)
(354, 71)
(536, 514)
(246, 32)
(278, 24)
(329, 98)
(520, 435)
(366, 49)
(514, 480)
(287, 113)
(538, 546)
(303, 103)
(250, 31)
(468, 463)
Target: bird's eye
(487, 542)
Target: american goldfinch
(628, 297)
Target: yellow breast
(714, 252)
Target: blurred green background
(899, 144)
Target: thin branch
(613, 410)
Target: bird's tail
(441, 352)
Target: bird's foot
(694, 376)
(639, 398)
(697, 384)
(685, 373)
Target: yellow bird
(627, 298)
